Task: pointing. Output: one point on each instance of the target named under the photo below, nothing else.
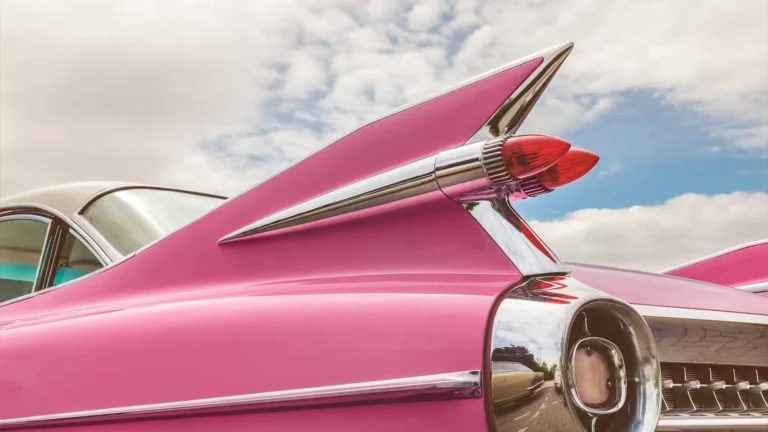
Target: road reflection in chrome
(527, 342)
(544, 410)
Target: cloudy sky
(215, 95)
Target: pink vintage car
(383, 283)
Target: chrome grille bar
(706, 389)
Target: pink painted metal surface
(659, 290)
(743, 266)
(246, 340)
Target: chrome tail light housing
(594, 355)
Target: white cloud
(131, 90)
(656, 237)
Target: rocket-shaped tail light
(527, 155)
(572, 166)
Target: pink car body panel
(735, 267)
(251, 337)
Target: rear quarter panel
(251, 340)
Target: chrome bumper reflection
(534, 329)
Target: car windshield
(130, 219)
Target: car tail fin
(489, 108)
(408, 194)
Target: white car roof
(66, 198)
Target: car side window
(74, 261)
(21, 245)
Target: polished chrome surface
(456, 385)
(460, 174)
(715, 255)
(50, 215)
(755, 287)
(117, 188)
(712, 342)
(32, 214)
(702, 389)
(511, 115)
(404, 182)
(712, 424)
(536, 324)
(617, 381)
(112, 254)
(514, 237)
(531, 187)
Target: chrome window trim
(701, 314)
(22, 213)
(456, 385)
(127, 186)
(413, 179)
(754, 287)
(710, 424)
(96, 236)
(52, 215)
(502, 223)
(715, 255)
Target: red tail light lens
(569, 168)
(527, 155)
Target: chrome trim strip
(11, 213)
(51, 214)
(715, 255)
(513, 236)
(511, 115)
(725, 423)
(754, 287)
(410, 180)
(125, 186)
(455, 385)
(97, 238)
(700, 314)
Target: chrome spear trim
(407, 181)
(511, 115)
